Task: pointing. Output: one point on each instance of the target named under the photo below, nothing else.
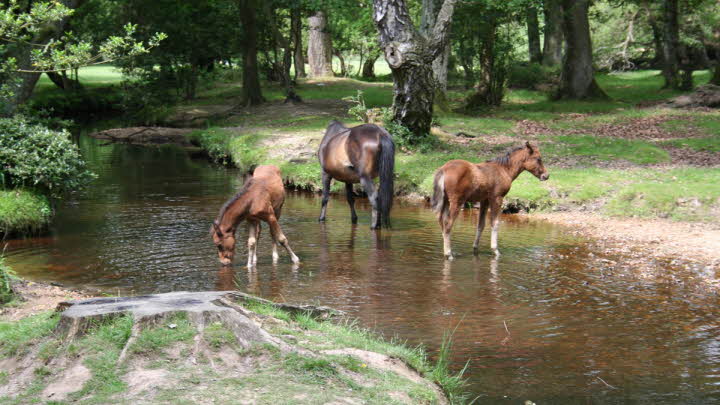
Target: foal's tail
(386, 170)
(438, 200)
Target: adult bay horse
(459, 181)
(260, 199)
(358, 155)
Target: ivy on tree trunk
(410, 55)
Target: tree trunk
(410, 57)
(368, 67)
(251, 91)
(670, 36)
(533, 32)
(553, 42)
(343, 67)
(319, 46)
(715, 79)
(430, 10)
(577, 77)
(296, 33)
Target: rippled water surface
(552, 320)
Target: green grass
(172, 330)
(17, 336)
(23, 211)
(605, 148)
(7, 276)
(710, 144)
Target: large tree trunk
(343, 67)
(251, 91)
(296, 33)
(553, 41)
(670, 36)
(410, 56)
(319, 46)
(533, 32)
(577, 77)
(25, 85)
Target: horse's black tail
(386, 170)
(438, 198)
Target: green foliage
(531, 76)
(16, 336)
(709, 144)
(244, 151)
(37, 157)
(23, 211)
(215, 141)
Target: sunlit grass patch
(605, 148)
(16, 336)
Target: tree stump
(202, 308)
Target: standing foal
(260, 199)
(459, 181)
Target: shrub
(215, 141)
(7, 293)
(23, 211)
(532, 76)
(37, 157)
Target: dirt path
(677, 241)
(36, 298)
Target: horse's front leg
(257, 240)
(447, 220)
(326, 180)
(369, 187)
(351, 202)
(495, 209)
(251, 243)
(481, 224)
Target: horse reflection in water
(358, 155)
(260, 199)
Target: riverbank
(244, 347)
(23, 212)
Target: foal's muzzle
(544, 176)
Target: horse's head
(533, 162)
(225, 243)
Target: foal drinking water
(459, 181)
(358, 155)
(260, 199)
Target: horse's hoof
(353, 221)
(449, 257)
(497, 252)
(321, 219)
(476, 250)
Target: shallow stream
(552, 320)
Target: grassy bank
(626, 156)
(328, 363)
(23, 211)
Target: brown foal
(459, 181)
(260, 199)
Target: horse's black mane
(505, 159)
(234, 198)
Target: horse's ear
(530, 148)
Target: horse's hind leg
(351, 201)
(481, 224)
(257, 240)
(495, 208)
(279, 237)
(447, 219)
(369, 187)
(326, 180)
